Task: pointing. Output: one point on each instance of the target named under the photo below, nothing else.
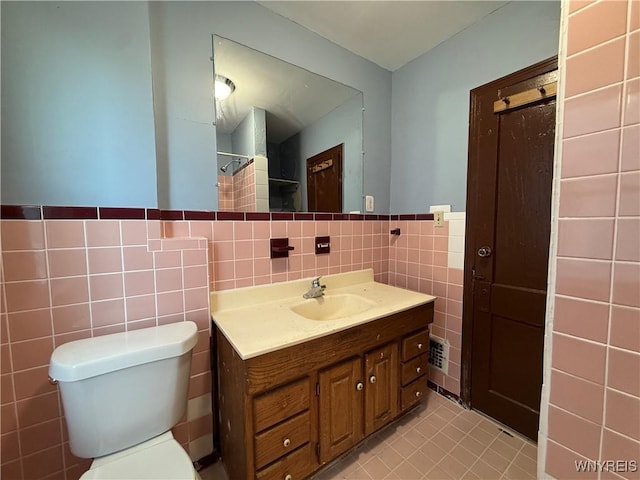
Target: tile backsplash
(430, 260)
(64, 279)
(240, 250)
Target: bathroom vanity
(303, 381)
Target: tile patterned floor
(437, 441)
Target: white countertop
(258, 320)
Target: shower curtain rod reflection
(234, 155)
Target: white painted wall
(77, 111)
(430, 97)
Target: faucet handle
(316, 282)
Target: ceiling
(292, 97)
(388, 33)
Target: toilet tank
(122, 389)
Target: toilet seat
(161, 458)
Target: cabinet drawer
(282, 439)
(415, 344)
(295, 466)
(414, 368)
(279, 404)
(413, 393)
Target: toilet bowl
(160, 458)
(121, 395)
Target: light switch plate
(438, 219)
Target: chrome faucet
(316, 290)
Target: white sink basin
(265, 318)
(332, 307)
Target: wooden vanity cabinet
(286, 413)
(347, 397)
(282, 421)
(415, 350)
(340, 398)
(381, 392)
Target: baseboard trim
(445, 393)
(206, 461)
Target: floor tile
(463, 455)
(453, 433)
(485, 471)
(437, 441)
(503, 449)
(473, 445)
(405, 471)
(426, 428)
(390, 458)
(452, 466)
(496, 460)
(376, 468)
(403, 447)
(530, 451)
(422, 462)
(438, 474)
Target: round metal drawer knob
(418, 370)
(419, 346)
(359, 386)
(286, 442)
(373, 379)
(288, 477)
(418, 394)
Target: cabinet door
(340, 409)
(381, 391)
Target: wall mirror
(287, 139)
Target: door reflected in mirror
(288, 140)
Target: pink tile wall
(65, 280)
(237, 192)
(69, 279)
(418, 260)
(594, 410)
(240, 252)
(225, 193)
(244, 189)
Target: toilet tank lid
(95, 356)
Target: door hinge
(317, 389)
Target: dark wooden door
(341, 401)
(324, 181)
(381, 391)
(508, 220)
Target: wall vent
(439, 353)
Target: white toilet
(122, 394)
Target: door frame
(473, 171)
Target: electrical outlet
(438, 219)
(368, 203)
